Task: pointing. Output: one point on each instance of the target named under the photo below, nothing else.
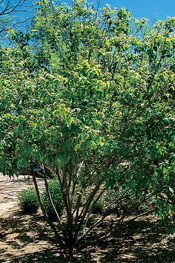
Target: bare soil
(26, 238)
(9, 190)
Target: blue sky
(151, 9)
(159, 9)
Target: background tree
(94, 104)
(14, 14)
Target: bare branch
(8, 8)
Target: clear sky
(159, 9)
(151, 9)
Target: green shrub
(97, 208)
(55, 191)
(28, 200)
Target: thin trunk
(86, 207)
(52, 226)
(65, 193)
(84, 211)
(51, 200)
(67, 199)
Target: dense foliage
(57, 198)
(28, 201)
(90, 96)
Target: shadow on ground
(26, 238)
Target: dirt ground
(26, 238)
(9, 190)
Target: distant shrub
(97, 208)
(28, 200)
(56, 194)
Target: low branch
(57, 236)
(51, 199)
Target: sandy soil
(27, 239)
(9, 190)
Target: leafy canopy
(91, 96)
